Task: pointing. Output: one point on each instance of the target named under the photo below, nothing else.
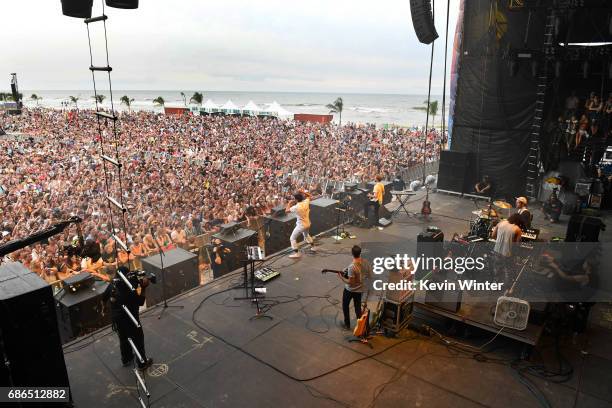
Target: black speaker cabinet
(29, 337)
(180, 270)
(323, 215)
(453, 174)
(278, 230)
(422, 20)
(430, 244)
(584, 228)
(236, 241)
(81, 312)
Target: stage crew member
(355, 275)
(523, 212)
(376, 198)
(121, 295)
(300, 206)
(506, 234)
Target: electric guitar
(343, 273)
(426, 209)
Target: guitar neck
(331, 271)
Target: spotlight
(77, 8)
(122, 4)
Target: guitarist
(354, 286)
(375, 198)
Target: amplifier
(80, 281)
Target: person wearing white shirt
(300, 206)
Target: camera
(140, 275)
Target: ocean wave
(363, 109)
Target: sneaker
(295, 255)
(146, 364)
(380, 228)
(128, 363)
(313, 249)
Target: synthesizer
(266, 274)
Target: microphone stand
(162, 254)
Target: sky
(356, 46)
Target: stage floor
(209, 353)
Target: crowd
(181, 176)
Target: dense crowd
(181, 176)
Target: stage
(210, 354)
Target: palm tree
(75, 100)
(127, 101)
(36, 98)
(99, 98)
(336, 107)
(433, 109)
(3, 96)
(197, 98)
(184, 98)
(159, 101)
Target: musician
(523, 212)
(356, 273)
(120, 295)
(375, 198)
(484, 187)
(505, 233)
(300, 206)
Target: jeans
(299, 229)
(347, 295)
(126, 329)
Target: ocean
(378, 109)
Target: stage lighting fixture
(77, 8)
(122, 4)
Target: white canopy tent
(277, 110)
(251, 109)
(210, 107)
(229, 108)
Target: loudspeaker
(122, 4)
(422, 20)
(323, 215)
(430, 244)
(29, 338)
(77, 8)
(181, 274)
(278, 230)
(453, 174)
(582, 228)
(236, 241)
(444, 299)
(81, 312)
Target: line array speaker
(422, 20)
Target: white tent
(251, 109)
(278, 110)
(230, 109)
(210, 107)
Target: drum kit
(487, 218)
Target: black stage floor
(210, 354)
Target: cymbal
(502, 204)
(484, 213)
(553, 180)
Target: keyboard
(530, 234)
(266, 274)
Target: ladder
(112, 164)
(533, 157)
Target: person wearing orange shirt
(375, 198)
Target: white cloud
(315, 45)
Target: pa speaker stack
(422, 20)
(181, 273)
(30, 344)
(236, 240)
(82, 8)
(454, 175)
(278, 228)
(323, 215)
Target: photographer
(119, 295)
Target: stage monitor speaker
(81, 312)
(323, 215)
(430, 244)
(29, 338)
(122, 4)
(582, 228)
(455, 171)
(278, 229)
(180, 270)
(422, 20)
(236, 242)
(77, 8)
